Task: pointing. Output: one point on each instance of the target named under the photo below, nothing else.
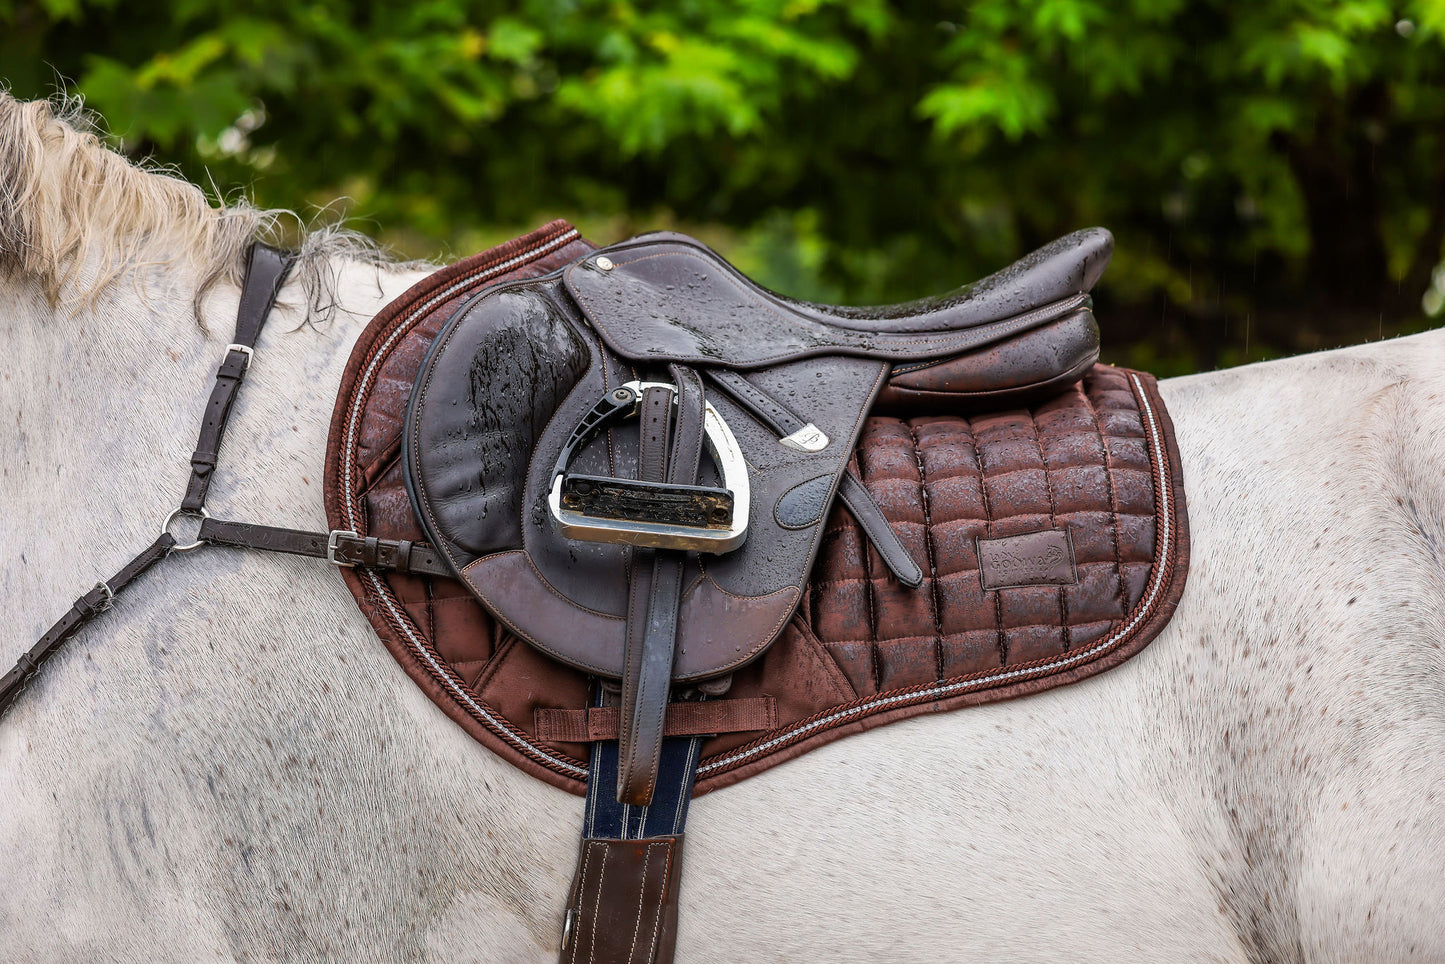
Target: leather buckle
(243, 349)
(707, 531)
(333, 541)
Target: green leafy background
(1274, 171)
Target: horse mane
(76, 216)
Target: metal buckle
(332, 541)
(569, 923)
(109, 596)
(722, 445)
(243, 349)
(200, 513)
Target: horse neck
(106, 401)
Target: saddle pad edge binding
(344, 490)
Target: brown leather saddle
(708, 516)
(620, 550)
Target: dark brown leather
(670, 449)
(623, 905)
(481, 449)
(860, 651)
(595, 723)
(669, 298)
(483, 505)
(861, 505)
(1023, 370)
(86, 608)
(789, 511)
(342, 548)
(266, 270)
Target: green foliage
(1275, 171)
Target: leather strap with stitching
(690, 718)
(86, 608)
(654, 603)
(266, 270)
(342, 548)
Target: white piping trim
(499, 726)
(460, 693)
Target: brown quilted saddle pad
(1053, 539)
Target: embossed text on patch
(1033, 559)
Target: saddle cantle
(1032, 497)
(511, 398)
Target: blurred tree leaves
(1275, 171)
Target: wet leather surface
(860, 650)
(666, 297)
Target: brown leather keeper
(624, 901)
(683, 719)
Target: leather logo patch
(1033, 559)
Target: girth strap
(623, 904)
(671, 449)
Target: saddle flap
(666, 297)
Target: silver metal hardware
(567, 924)
(109, 596)
(200, 513)
(722, 445)
(605, 263)
(809, 438)
(245, 350)
(333, 540)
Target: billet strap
(266, 270)
(683, 719)
(870, 518)
(851, 490)
(86, 608)
(342, 548)
(623, 903)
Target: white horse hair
(229, 765)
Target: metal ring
(201, 512)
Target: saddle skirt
(1039, 493)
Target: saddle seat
(683, 303)
(1028, 338)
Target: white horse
(229, 765)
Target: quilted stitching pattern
(1079, 462)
